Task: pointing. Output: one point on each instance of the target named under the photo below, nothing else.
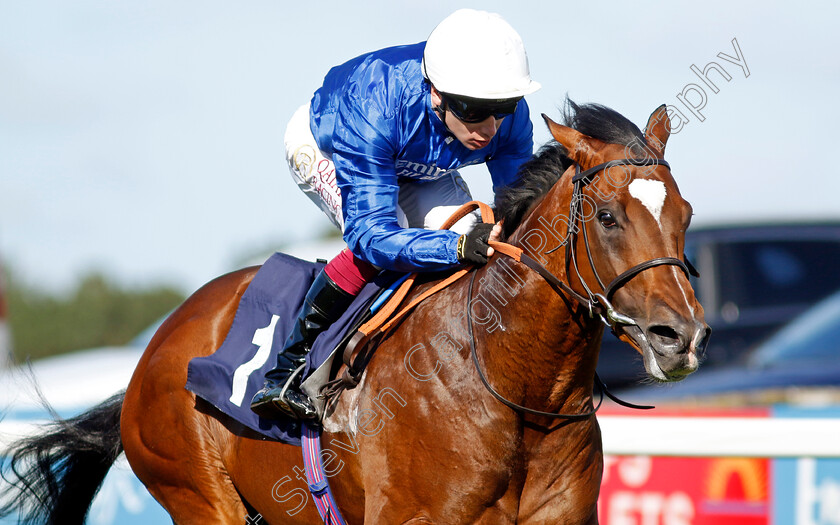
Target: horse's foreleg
(562, 487)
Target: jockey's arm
(372, 232)
(365, 161)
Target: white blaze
(651, 193)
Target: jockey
(378, 149)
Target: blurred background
(141, 156)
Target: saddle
(264, 317)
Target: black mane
(540, 173)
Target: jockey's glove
(472, 246)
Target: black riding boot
(324, 304)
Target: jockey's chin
(476, 135)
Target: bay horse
(421, 439)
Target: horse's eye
(607, 219)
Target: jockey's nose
(488, 127)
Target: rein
(509, 403)
(602, 388)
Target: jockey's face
(473, 135)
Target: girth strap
(316, 478)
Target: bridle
(596, 303)
(599, 303)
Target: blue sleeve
(364, 152)
(517, 148)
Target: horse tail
(53, 476)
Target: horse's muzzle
(674, 349)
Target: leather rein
(596, 303)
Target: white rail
(674, 436)
(721, 436)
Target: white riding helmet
(477, 54)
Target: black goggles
(472, 110)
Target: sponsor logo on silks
(418, 170)
(303, 158)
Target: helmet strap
(440, 109)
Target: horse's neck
(550, 352)
(537, 346)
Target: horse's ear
(658, 130)
(577, 144)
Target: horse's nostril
(703, 342)
(663, 337)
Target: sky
(144, 139)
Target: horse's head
(619, 215)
